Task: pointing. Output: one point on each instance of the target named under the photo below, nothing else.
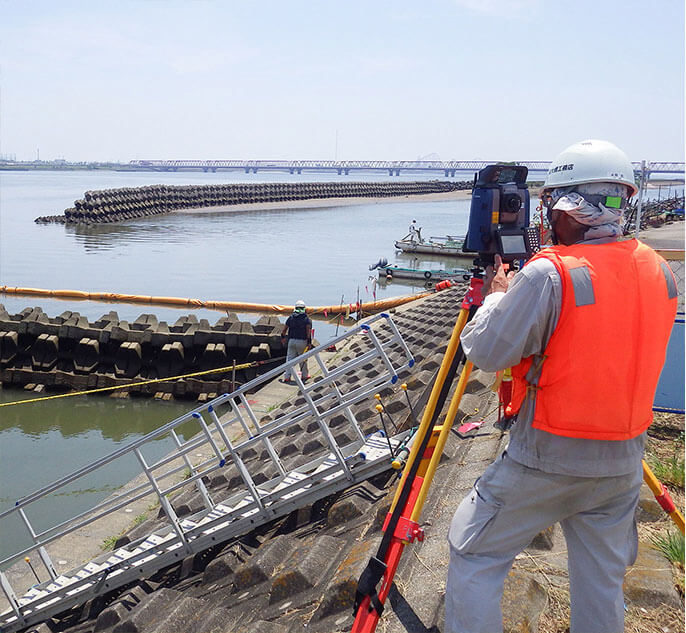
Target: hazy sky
(356, 79)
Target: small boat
(448, 245)
(422, 273)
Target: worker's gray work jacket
(515, 325)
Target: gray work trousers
(508, 506)
(296, 347)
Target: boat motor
(382, 263)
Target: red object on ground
(470, 426)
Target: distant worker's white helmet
(300, 304)
(591, 161)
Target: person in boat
(415, 232)
(298, 332)
(584, 327)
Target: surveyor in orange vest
(584, 326)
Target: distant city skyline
(446, 79)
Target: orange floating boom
(370, 307)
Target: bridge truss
(393, 167)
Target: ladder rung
(118, 556)
(377, 447)
(290, 479)
(243, 502)
(31, 595)
(89, 569)
(61, 581)
(153, 540)
(219, 511)
(327, 463)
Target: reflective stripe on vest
(583, 286)
(597, 376)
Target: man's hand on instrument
(496, 279)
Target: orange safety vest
(598, 374)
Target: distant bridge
(344, 167)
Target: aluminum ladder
(225, 429)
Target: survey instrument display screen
(513, 244)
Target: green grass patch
(671, 544)
(109, 542)
(669, 470)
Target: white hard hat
(591, 161)
(299, 303)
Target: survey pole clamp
(406, 530)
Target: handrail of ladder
(217, 460)
(273, 373)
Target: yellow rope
(136, 384)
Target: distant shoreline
(318, 203)
(30, 167)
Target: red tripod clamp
(405, 530)
(474, 296)
(665, 500)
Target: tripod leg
(442, 439)
(447, 367)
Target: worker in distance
(297, 332)
(584, 326)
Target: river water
(319, 255)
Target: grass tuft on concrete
(671, 544)
(669, 470)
